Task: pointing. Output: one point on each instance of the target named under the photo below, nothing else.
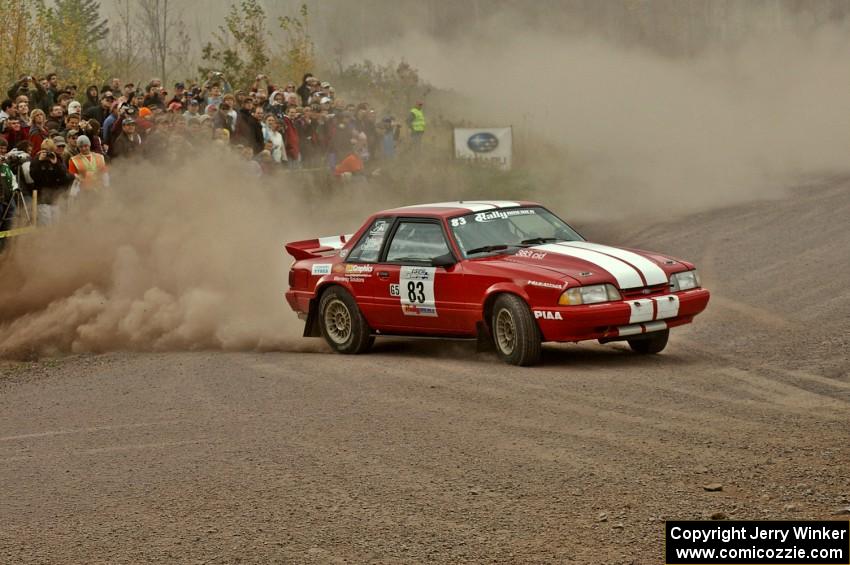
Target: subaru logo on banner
(491, 146)
(483, 142)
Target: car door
(411, 293)
(359, 269)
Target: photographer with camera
(214, 89)
(51, 179)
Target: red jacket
(290, 139)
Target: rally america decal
(416, 287)
(503, 214)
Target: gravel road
(431, 452)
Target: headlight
(684, 281)
(589, 295)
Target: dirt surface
(430, 452)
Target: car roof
(459, 207)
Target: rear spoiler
(310, 248)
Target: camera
(16, 157)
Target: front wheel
(343, 326)
(653, 343)
(515, 333)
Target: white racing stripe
(668, 306)
(626, 275)
(651, 272)
(496, 203)
(471, 206)
(641, 310)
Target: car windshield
(505, 229)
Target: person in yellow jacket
(416, 123)
(89, 167)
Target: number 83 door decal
(416, 290)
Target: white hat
(83, 140)
(326, 84)
(325, 100)
(75, 107)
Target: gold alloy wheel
(338, 321)
(505, 332)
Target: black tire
(654, 342)
(515, 333)
(342, 325)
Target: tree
(299, 51)
(124, 41)
(162, 24)
(241, 49)
(75, 30)
(24, 39)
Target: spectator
(53, 88)
(51, 178)
(23, 107)
(248, 131)
(75, 107)
(15, 132)
(70, 146)
(114, 86)
(291, 140)
(305, 90)
(8, 184)
(89, 168)
(416, 123)
(193, 111)
(7, 108)
(56, 117)
(106, 130)
(351, 165)
(129, 143)
(92, 98)
(271, 134)
(91, 129)
(101, 110)
(72, 122)
(153, 96)
(38, 129)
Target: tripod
(12, 205)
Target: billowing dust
(176, 257)
(629, 131)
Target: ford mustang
(511, 274)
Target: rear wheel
(515, 333)
(343, 326)
(654, 342)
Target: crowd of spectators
(55, 139)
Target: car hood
(592, 263)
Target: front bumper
(609, 321)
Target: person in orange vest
(89, 167)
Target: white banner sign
(491, 145)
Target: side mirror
(446, 261)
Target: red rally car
(510, 272)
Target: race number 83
(416, 292)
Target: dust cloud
(186, 256)
(626, 130)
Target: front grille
(645, 291)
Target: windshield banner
(491, 145)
